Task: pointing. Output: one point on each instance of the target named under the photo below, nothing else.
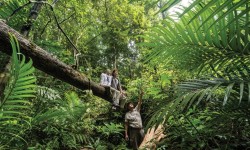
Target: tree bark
(32, 17)
(49, 64)
(4, 72)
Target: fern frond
(48, 93)
(21, 84)
(21, 87)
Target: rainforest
(124, 74)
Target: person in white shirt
(134, 131)
(111, 81)
(106, 78)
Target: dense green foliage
(209, 41)
(193, 67)
(15, 107)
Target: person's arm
(126, 130)
(140, 101)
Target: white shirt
(109, 79)
(134, 118)
(105, 79)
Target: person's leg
(122, 101)
(141, 136)
(116, 96)
(136, 139)
(133, 138)
(113, 92)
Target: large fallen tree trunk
(45, 62)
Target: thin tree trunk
(32, 17)
(45, 62)
(4, 67)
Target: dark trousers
(136, 136)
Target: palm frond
(14, 11)
(202, 33)
(69, 109)
(73, 105)
(9, 7)
(21, 87)
(194, 91)
(48, 115)
(168, 5)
